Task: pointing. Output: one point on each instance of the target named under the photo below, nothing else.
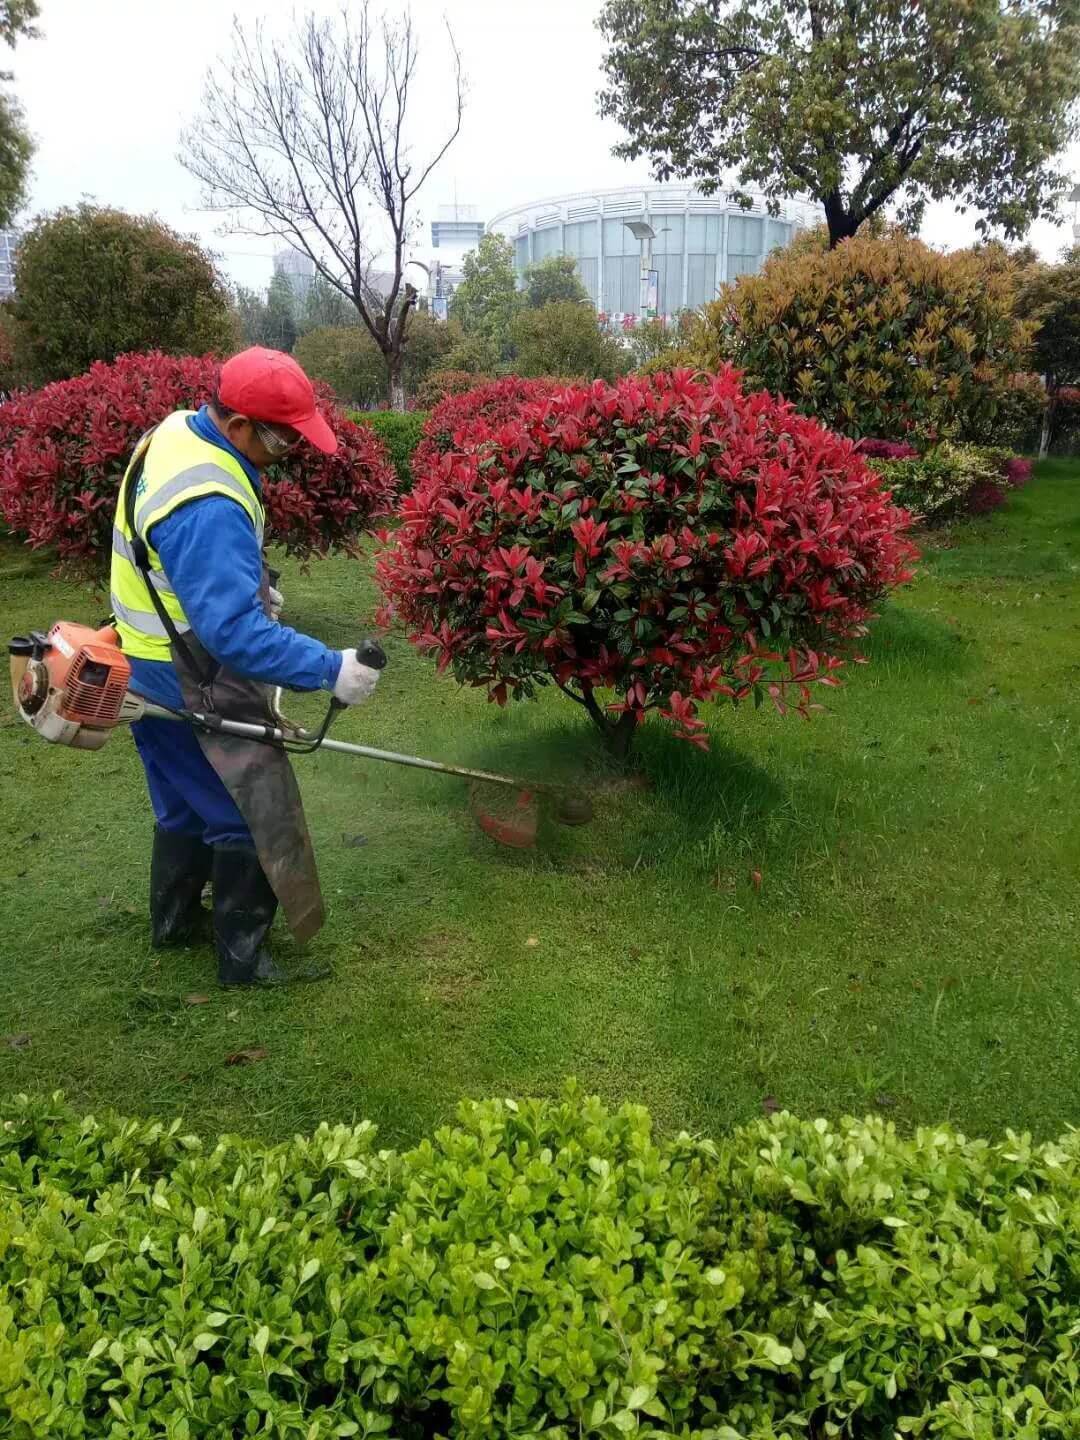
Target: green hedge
(543, 1268)
(400, 433)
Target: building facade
(8, 242)
(298, 269)
(698, 242)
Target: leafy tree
(859, 103)
(1050, 295)
(427, 346)
(93, 283)
(251, 317)
(16, 146)
(486, 299)
(565, 339)
(348, 360)
(281, 326)
(554, 278)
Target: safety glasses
(277, 443)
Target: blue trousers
(186, 791)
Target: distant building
(456, 229)
(298, 269)
(8, 242)
(656, 248)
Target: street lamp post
(647, 300)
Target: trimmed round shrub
(880, 336)
(671, 539)
(64, 449)
(543, 1267)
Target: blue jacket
(209, 552)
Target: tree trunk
(1044, 438)
(842, 224)
(395, 381)
(617, 735)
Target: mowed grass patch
(876, 910)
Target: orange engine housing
(92, 671)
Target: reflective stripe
(145, 621)
(122, 546)
(161, 497)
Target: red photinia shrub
(460, 418)
(875, 449)
(669, 538)
(984, 496)
(64, 449)
(1017, 472)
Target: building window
(746, 238)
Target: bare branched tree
(307, 142)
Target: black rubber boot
(244, 909)
(179, 868)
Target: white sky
(111, 82)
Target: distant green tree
(565, 339)
(93, 283)
(487, 298)
(348, 360)
(323, 305)
(281, 326)
(16, 146)
(428, 342)
(552, 279)
(251, 317)
(1050, 295)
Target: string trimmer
(71, 688)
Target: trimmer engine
(71, 685)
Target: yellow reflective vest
(180, 466)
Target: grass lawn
(913, 946)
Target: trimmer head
(511, 816)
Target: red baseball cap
(269, 385)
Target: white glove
(355, 682)
(277, 603)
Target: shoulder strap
(141, 554)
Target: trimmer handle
(370, 653)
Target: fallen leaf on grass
(247, 1057)
(17, 1042)
(196, 999)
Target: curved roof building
(697, 243)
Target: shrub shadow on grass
(902, 641)
(671, 796)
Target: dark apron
(258, 777)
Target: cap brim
(315, 429)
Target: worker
(198, 622)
